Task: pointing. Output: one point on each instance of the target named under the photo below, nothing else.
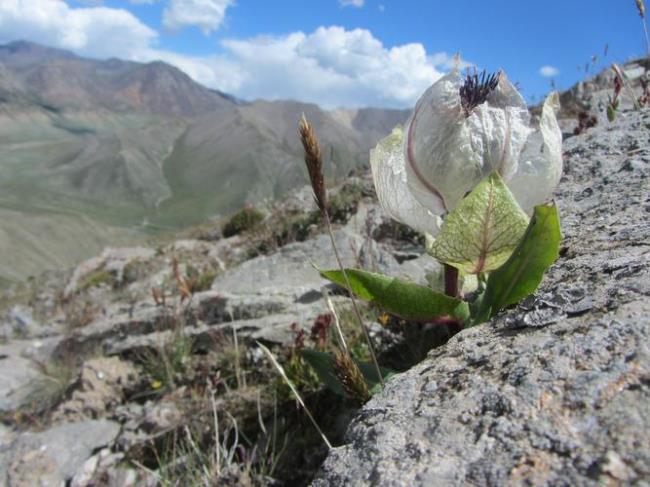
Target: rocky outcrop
(554, 391)
(102, 367)
(53, 456)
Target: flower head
(461, 130)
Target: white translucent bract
(389, 175)
(447, 153)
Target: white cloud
(549, 71)
(93, 31)
(331, 66)
(208, 15)
(352, 3)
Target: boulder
(100, 389)
(113, 260)
(554, 391)
(290, 272)
(18, 370)
(53, 456)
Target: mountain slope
(141, 148)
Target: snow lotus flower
(461, 131)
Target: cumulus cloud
(352, 3)
(93, 31)
(208, 15)
(549, 71)
(331, 66)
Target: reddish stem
(451, 281)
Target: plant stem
(328, 223)
(451, 289)
(451, 281)
(645, 31)
(280, 369)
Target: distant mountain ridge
(64, 80)
(135, 148)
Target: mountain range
(99, 152)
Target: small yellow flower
(384, 318)
(156, 384)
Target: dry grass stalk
(182, 284)
(337, 326)
(295, 392)
(622, 79)
(158, 296)
(314, 164)
(640, 5)
(350, 377)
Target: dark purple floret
(476, 89)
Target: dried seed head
(640, 5)
(476, 89)
(181, 282)
(314, 162)
(350, 377)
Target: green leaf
(483, 230)
(370, 374)
(401, 298)
(522, 273)
(323, 365)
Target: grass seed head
(350, 377)
(314, 162)
(640, 5)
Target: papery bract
(393, 192)
(448, 150)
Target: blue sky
(339, 52)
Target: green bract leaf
(522, 273)
(402, 298)
(482, 231)
(323, 365)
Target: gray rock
(99, 389)
(161, 416)
(53, 456)
(6, 436)
(113, 260)
(20, 323)
(289, 271)
(554, 391)
(108, 469)
(18, 371)
(261, 298)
